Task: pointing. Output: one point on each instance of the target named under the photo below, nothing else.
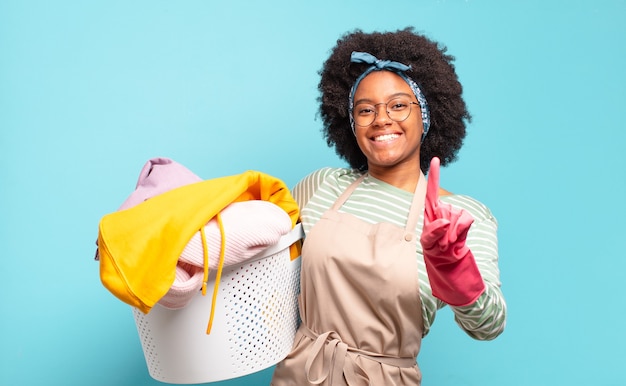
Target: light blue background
(89, 90)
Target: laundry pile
(175, 227)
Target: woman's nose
(382, 117)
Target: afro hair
(431, 68)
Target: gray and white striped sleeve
(485, 319)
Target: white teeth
(386, 137)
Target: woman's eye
(397, 105)
(365, 110)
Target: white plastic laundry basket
(256, 317)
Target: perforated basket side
(255, 322)
(259, 309)
(150, 348)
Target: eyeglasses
(398, 110)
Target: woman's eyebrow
(367, 100)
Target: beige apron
(359, 303)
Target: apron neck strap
(346, 193)
(417, 205)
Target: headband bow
(364, 57)
(396, 67)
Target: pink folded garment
(249, 228)
(157, 176)
(187, 282)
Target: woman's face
(387, 144)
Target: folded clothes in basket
(249, 227)
(143, 247)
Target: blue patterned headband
(396, 67)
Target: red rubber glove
(452, 270)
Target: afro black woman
(385, 247)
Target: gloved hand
(452, 270)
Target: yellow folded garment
(140, 246)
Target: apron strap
(417, 205)
(339, 359)
(344, 196)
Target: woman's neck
(404, 178)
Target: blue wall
(89, 90)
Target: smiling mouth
(385, 137)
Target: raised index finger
(432, 188)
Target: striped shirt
(375, 201)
